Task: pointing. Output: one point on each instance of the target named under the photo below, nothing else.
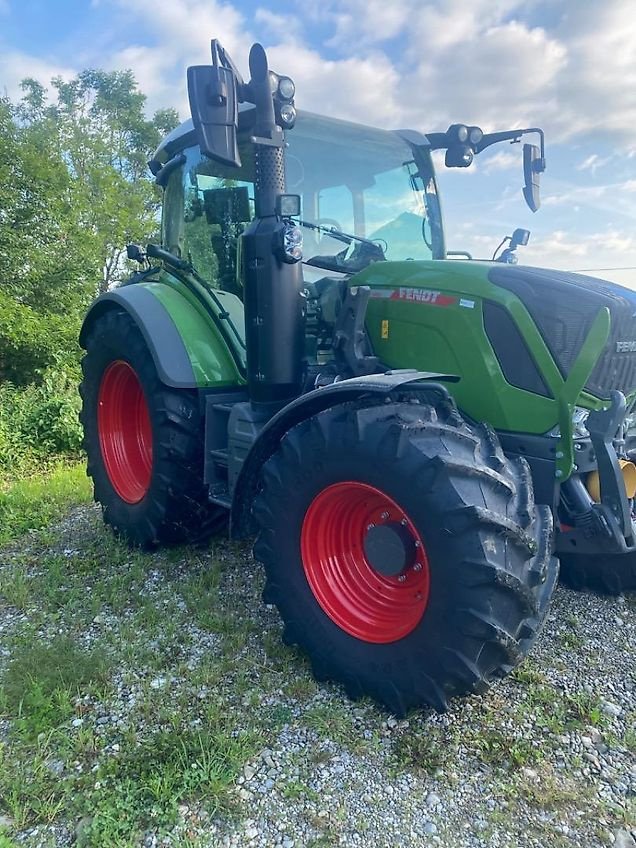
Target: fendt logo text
(625, 347)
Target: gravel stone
(611, 709)
(542, 759)
(624, 839)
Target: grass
(145, 785)
(42, 682)
(421, 751)
(32, 503)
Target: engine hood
(563, 306)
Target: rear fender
(187, 348)
(310, 404)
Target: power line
(626, 268)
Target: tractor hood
(563, 306)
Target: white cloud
(501, 161)
(597, 92)
(16, 66)
(360, 88)
(493, 79)
(593, 163)
(326, 86)
(367, 22)
(610, 248)
(485, 62)
(285, 28)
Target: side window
(396, 215)
(216, 213)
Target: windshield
(366, 184)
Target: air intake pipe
(274, 312)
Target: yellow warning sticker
(385, 329)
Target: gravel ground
(547, 758)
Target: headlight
(286, 88)
(287, 114)
(475, 135)
(290, 243)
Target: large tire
(607, 574)
(478, 572)
(143, 440)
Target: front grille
(616, 369)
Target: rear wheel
(403, 551)
(144, 441)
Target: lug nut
(385, 515)
(418, 544)
(404, 522)
(402, 578)
(370, 526)
(417, 566)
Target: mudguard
(310, 404)
(187, 348)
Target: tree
(106, 140)
(74, 189)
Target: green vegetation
(43, 681)
(33, 502)
(145, 785)
(74, 189)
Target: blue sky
(566, 65)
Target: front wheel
(143, 440)
(604, 573)
(404, 552)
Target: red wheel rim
(358, 598)
(125, 432)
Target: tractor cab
(367, 195)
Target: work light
(288, 115)
(286, 88)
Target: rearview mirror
(533, 166)
(214, 109)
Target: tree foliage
(74, 190)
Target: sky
(568, 66)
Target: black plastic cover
(515, 359)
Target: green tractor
(415, 441)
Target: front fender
(305, 407)
(187, 348)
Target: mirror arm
(513, 135)
(220, 55)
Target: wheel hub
(390, 548)
(125, 431)
(365, 562)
